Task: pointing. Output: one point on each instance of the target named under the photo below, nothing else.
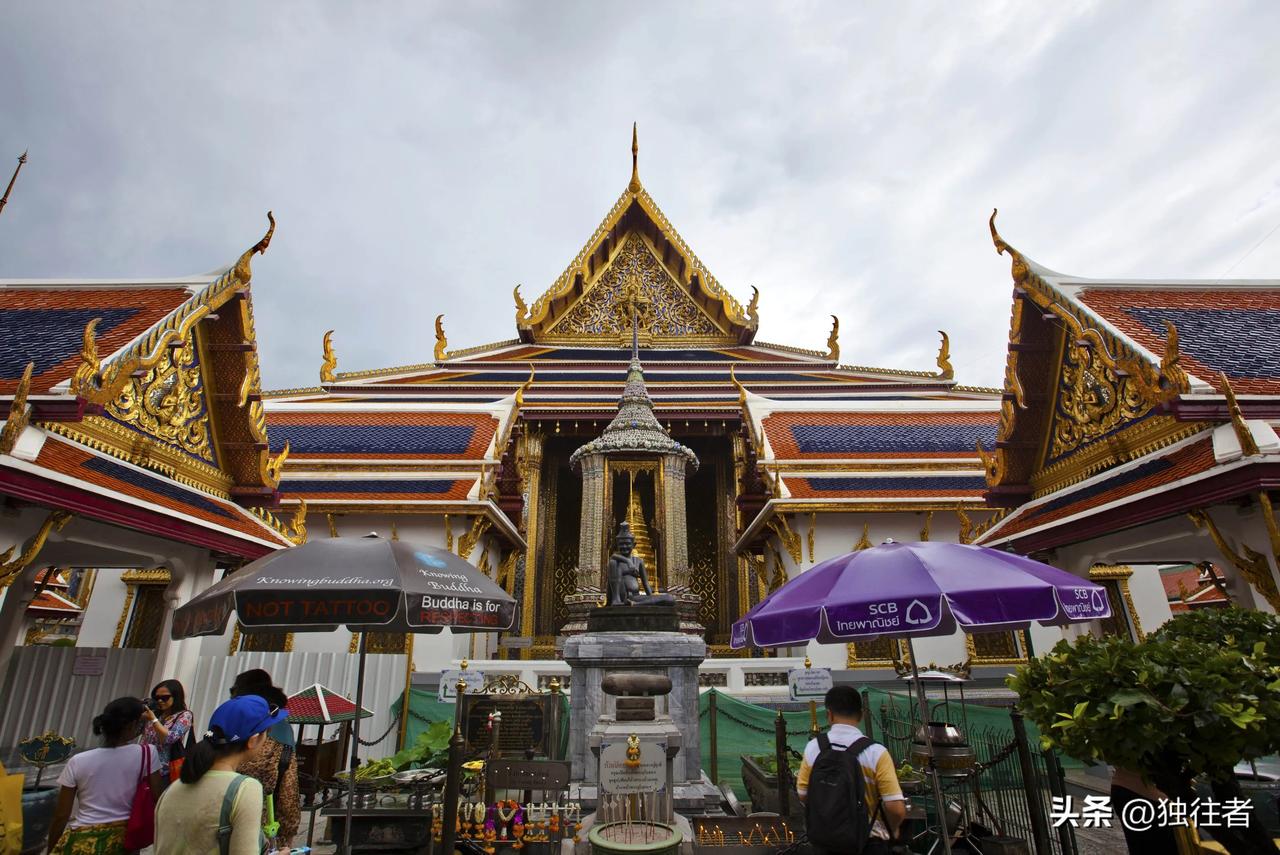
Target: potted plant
(1192, 701)
(760, 778)
(38, 802)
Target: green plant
(768, 763)
(1194, 699)
(430, 749)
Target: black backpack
(836, 807)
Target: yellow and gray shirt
(878, 775)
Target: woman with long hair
(212, 807)
(168, 723)
(99, 784)
(276, 766)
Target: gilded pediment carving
(635, 280)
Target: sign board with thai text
(627, 776)
(809, 684)
(449, 683)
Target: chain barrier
(733, 718)
(395, 719)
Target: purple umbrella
(906, 590)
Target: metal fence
(63, 688)
(1009, 790)
(293, 672)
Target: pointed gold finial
(522, 310)
(753, 316)
(330, 363)
(1248, 444)
(19, 413)
(297, 533)
(1019, 265)
(4, 200)
(243, 270)
(833, 340)
(864, 542)
(524, 387)
(634, 186)
(441, 341)
(966, 525)
(1175, 379)
(945, 371)
(737, 384)
(86, 374)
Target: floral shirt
(179, 726)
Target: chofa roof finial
(634, 186)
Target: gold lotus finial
(833, 340)
(945, 371)
(441, 341)
(634, 186)
(330, 362)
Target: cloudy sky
(426, 157)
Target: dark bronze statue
(627, 575)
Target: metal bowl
(941, 733)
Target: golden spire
(441, 341)
(330, 362)
(634, 186)
(833, 340)
(4, 200)
(945, 371)
(640, 531)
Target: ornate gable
(1078, 397)
(635, 279)
(635, 256)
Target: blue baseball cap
(242, 717)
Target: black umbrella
(367, 584)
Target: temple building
(140, 460)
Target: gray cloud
(425, 157)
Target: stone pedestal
(596, 653)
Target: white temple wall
(98, 627)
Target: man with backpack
(853, 801)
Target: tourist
(192, 811)
(882, 807)
(101, 783)
(168, 723)
(276, 766)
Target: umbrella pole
(932, 771)
(355, 750)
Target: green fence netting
(743, 728)
(425, 709)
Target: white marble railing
(741, 677)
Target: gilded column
(675, 529)
(530, 454)
(591, 536)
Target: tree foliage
(1195, 698)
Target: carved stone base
(687, 605)
(579, 605)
